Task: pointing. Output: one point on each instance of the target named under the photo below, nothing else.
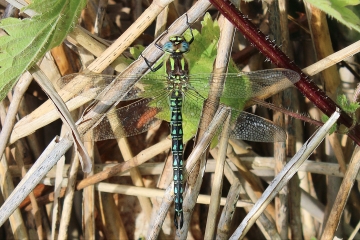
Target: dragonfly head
(176, 45)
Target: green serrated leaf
(346, 105)
(29, 39)
(344, 3)
(339, 10)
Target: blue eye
(184, 47)
(168, 47)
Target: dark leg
(192, 35)
(149, 64)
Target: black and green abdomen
(177, 151)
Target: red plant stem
(272, 52)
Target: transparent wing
(250, 127)
(133, 119)
(91, 85)
(242, 85)
(245, 85)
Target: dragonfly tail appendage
(179, 217)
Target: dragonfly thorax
(178, 83)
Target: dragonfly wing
(91, 85)
(245, 85)
(257, 129)
(130, 120)
(192, 110)
(271, 81)
(86, 85)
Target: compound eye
(168, 47)
(184, 47)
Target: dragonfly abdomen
(177, 151)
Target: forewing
(92, 85)
(245, 85)
(268, 82)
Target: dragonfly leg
(148, 63)
(160, 37)
(192, 35)
(158, 46)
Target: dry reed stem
(279, 29)
(65, 115)
(69, 197)
(221, 63)
(9, 121)
(224, 225)
(36, 211)
(80, 36)
(216, 189)
(131, 191)
(260, 166)
(88, 223)
(342, 196)
(7, 187)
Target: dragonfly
(179, 98)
